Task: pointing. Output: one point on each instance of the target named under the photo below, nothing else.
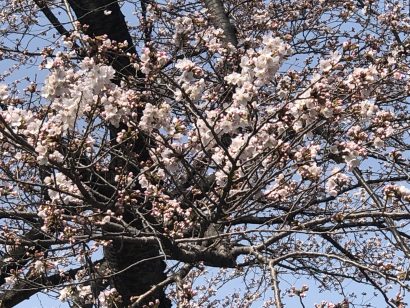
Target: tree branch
(51, 17)
(275, 285)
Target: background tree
(259, 138)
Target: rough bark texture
(135, 276)
(221, 20)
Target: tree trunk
(135, 275)
(221, 20)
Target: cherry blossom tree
(155, 152)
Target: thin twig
(275, 285)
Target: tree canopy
(155, 152)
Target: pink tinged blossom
(108, 298)
(39, 266)
(327, 64)
(155, 117)
(10, 280)
(65, 191)
(378, 143)
(4, 93)
(392, 191)
(336, 182)
(65, 294)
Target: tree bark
(221, 20)
(138, 267)
(91, 13)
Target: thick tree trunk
(91, 13)
(138, 267)
(221, 20)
